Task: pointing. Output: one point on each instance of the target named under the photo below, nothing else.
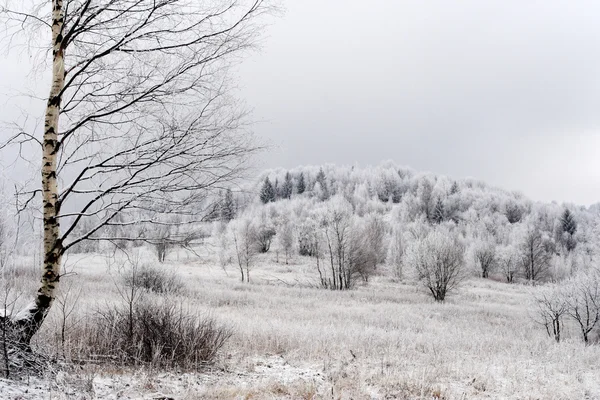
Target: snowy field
(387, 340)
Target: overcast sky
(507, 91)
(504, 91)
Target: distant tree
(437, 260)
(485, 257)
(425, 193)
(508, 263)
(568, 223)
(301, 186)
(535, 256)
(396, 253)
(288, 186)
(438, 215)
(263, 237)
(277, 189)
(285, 238)
(227, 206)
(322, 181)
(568, 227)
(454, 189)
(583, 301)
(243, 233)
(551, 308)
(267, 193)
(367, 245)
(513, 213)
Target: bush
(437, 260)
(159, 333)
(154, 279)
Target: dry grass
(385, 340)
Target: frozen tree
(485, 257)
(437, 260)
(308, 238)
(288, 186)
(301, 186)
(264, 231)
(425, 194)
(535, 256)
(396, 253)
(568, 223)
(568, 227)
(285, 238)
(513, 213)
(583, 300)
(244, 236)
(438, 215)
(348, 247)
(551, 307)
(322, 181)
(267, 192)
(139, 116)
(508, 261)
(454, 189)
(227, 206)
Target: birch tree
(139, 119)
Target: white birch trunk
(30, 319)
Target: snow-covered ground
(385, 340)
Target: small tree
(227, 206)
(508, 263)
(267, 192)
(583, 301)
(568, 223)
(285, 238)
(535, 256)
(439, 215)
(568, 227)
(396, 253)
(437, 260)
(322, 181)
(301, 186)
(513, 213)
(485, 257)
(243, 233)
(288, 186)
(550, 309)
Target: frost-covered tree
(288, 186)
(267, 192)
(551, 308)
(227, 206)
(568, 228)
(301, 186)
(535, 255)
(286, 238)
(508, 261)
(485, 257)
(396, 252)
(582, 294)
(437, 260)
(244, 239)
(438, 215)
(321, 180)
(513, 213)
(568, 223)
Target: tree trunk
(30, 319)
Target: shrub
(154, 279)
(437, 260)
(159, 333)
